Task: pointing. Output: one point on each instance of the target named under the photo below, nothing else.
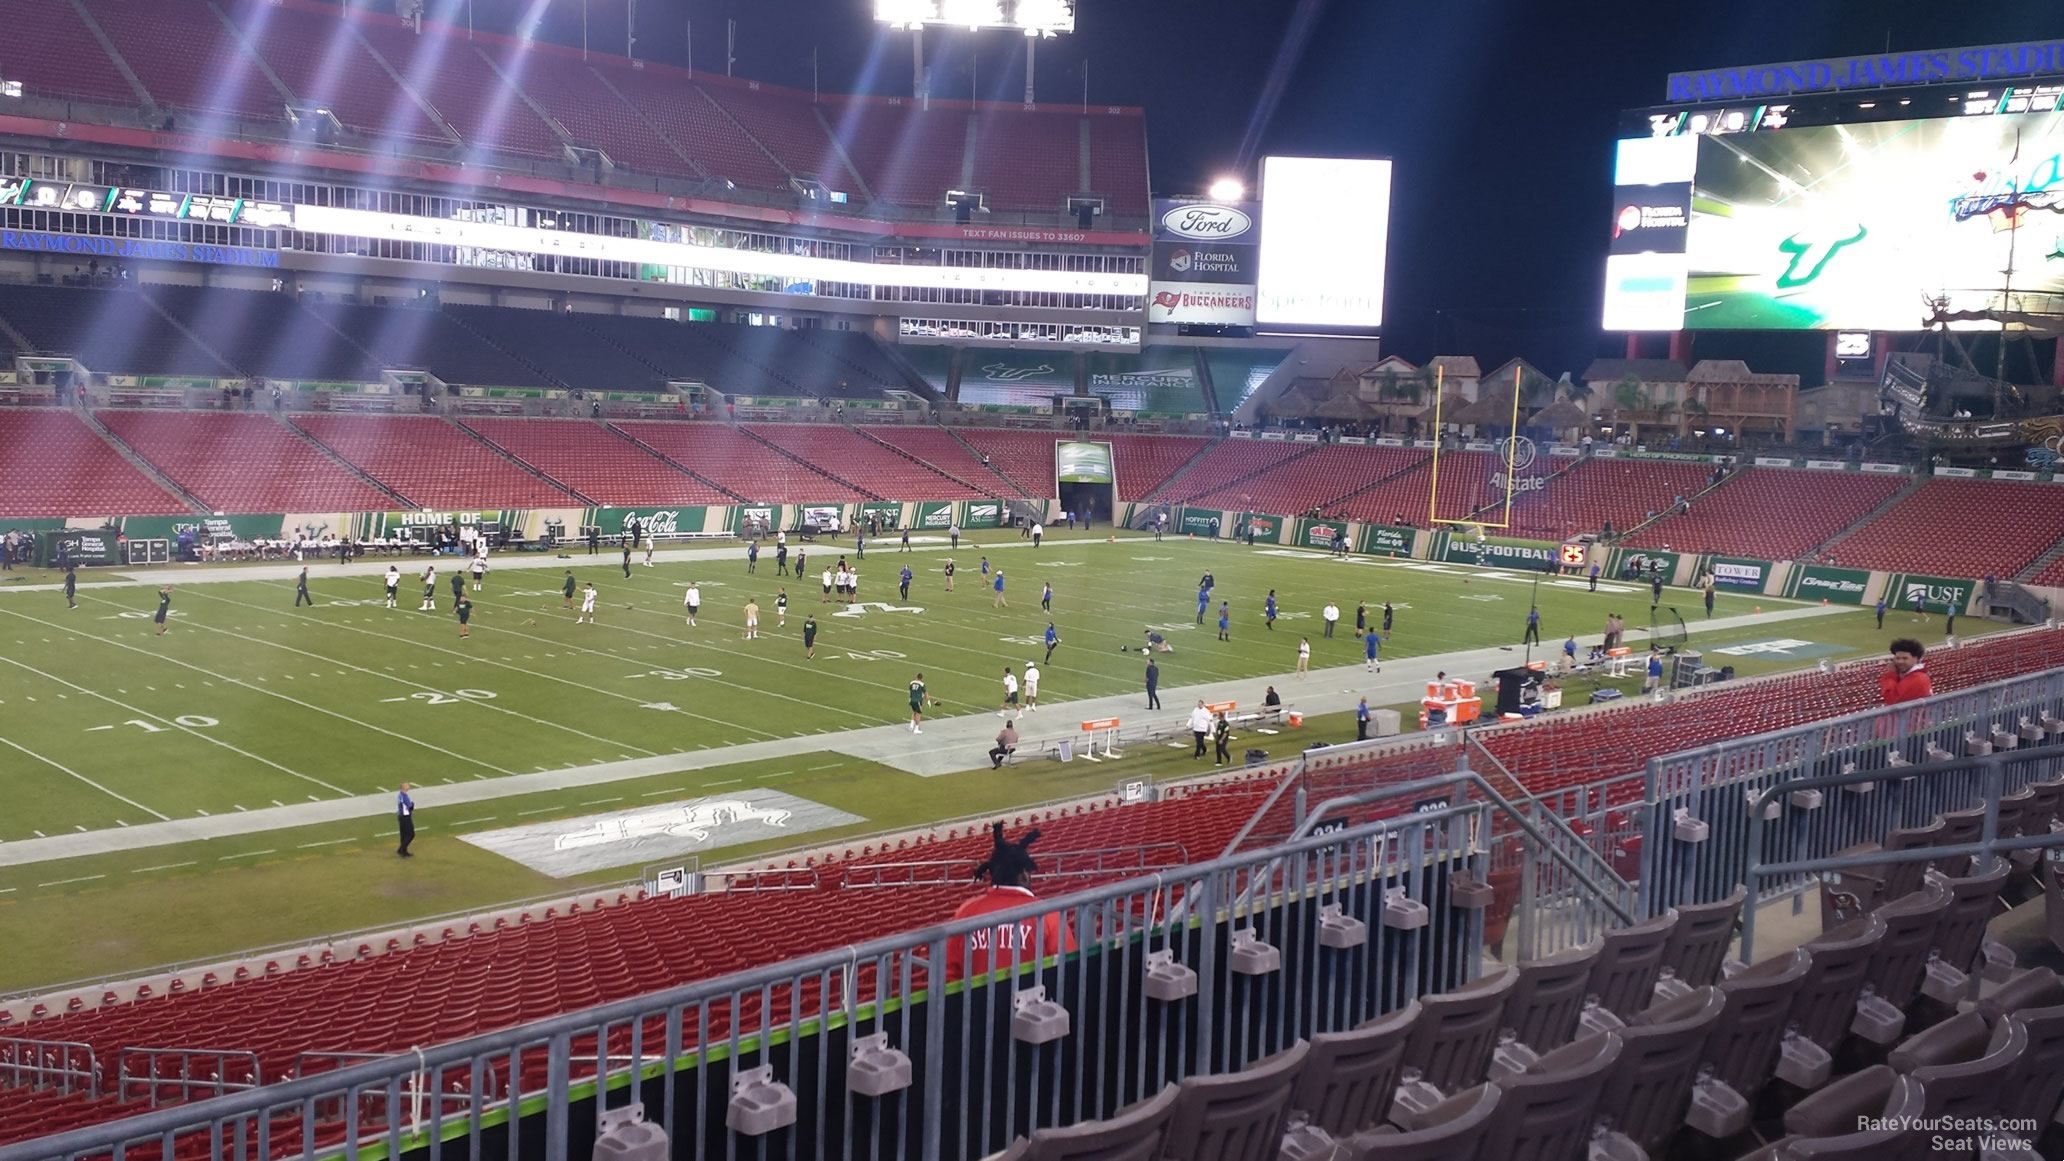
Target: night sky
(1499, 113)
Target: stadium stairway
(520, 462)
(1155, 451)
(137, 461)
(2039, 570)
(975, 454)
(755, 436)
(1886, 505)
(963, 481)
(1708, 490)
(1334, 505)
(328, 453)
(1257, 458)
(675, 463)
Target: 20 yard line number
(433, 697)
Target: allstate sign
(1204, 221)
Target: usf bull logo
(696, 821)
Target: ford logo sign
(1206, 222)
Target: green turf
(248, 702)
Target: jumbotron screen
(1834, 227)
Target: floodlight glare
(1228, 189)
(1031, 17)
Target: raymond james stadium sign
(1991, 62)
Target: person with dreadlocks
(1009, 870)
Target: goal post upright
(1433, 515)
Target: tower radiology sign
(1991, 62)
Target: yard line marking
(324, 843)
(830, 766)
(202, 813)
(486, 704)
(539, 810)
(62, 882)
(471, 821)
(164, 867)
(668, 790)
(600, 801)
(174, 724)
(245, 855)
(277, 802)
(88, 781)
(270, 693)
(239, 808)
(725, 782)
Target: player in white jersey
(1010, 695)
(693, 602)
(648, 548)
(587, 605)
(1031, 687)
(429, 590)
(393, 583)
(480, 565)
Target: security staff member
(405, 820)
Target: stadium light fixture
(1228, 189)
(1038, 18)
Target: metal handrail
(556, 1032)
(1988, 846)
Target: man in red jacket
(1906, 678)
(1024, 941)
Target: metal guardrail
(974, 1087)
(65, 1066)
(1693, 812)
(1796, 838)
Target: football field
(250, 704)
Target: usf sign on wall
(1457, 548)
(1929, 593)
(1819, 582)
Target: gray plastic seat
(1699, 944)
(2037, 1086)
(1960, 933)
(1454, 1133)
(1542, 1010)
(1742, 1050)
(1958, 1040)
(1976, 1088)
(1959, 828)
(1649, 1089)
(1825, 1007)
(1237, 1116)
(1351, 1077)
(1857, 891)
(1135, 1134)
(1546, 1112)
(1894, 976)
(1629, 961)
(1821, 1127)
(1451, 1044)
(2037, 987)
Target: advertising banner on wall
(982, 514)
(1082, 462)
(751, 517)
(82, 546)
(1819, 582)
(1930, 594)
(660, 522)
(1205, 263)
(1200, 522)
(1388, 540)
(1319, 533)
(1498, 553)
(887, 513)
(1740, 574)
(934, 516)
(1267, 529)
